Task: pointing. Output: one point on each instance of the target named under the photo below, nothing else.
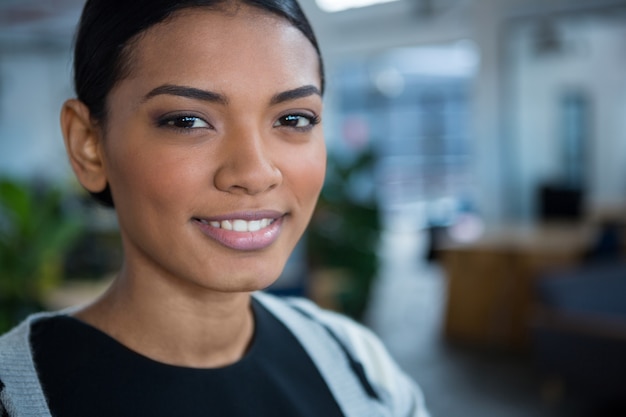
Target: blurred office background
(475, 205)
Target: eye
(184, 122)
(297, 121)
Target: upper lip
(248, 215)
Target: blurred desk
(490, 281)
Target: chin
(250, 282)
(256, 276)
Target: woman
(199, 121)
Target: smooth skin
(219, 117)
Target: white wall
(33, 85)
(592, 61)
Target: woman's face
(213, 148)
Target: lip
(243, 241)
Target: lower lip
(243, 241)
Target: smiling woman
(200, 123)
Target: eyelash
(169, 121)
(312, 119)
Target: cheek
(306, 172)
(158, 176)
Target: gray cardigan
(334, 343)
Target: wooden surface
(490, 281)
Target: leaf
(34, 232)
(15, 203)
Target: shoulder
(15, 351)
(15, 361)
(359, 339)
(394, 387)
(17, 337)
(17, 340)
(20, 388)
(14, 340)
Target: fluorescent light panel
(339, 5)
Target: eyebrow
(210, 96)
(296, 93)
(188, 92)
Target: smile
(239, 225)
(244, 232)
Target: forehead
(224, 46)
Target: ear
(83, 144)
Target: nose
(247, 165)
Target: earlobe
(83, 145)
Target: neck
(191, 327)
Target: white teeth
(254, 225)
(240, 225)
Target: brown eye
(184, 122)
(297, 121)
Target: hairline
(128, 55)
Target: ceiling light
(339, 5)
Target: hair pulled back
(107, 28)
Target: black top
(85, 372)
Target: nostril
(248, 178)
(246, 164)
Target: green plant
(35, 232)
(345, 231)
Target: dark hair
(104, 44)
